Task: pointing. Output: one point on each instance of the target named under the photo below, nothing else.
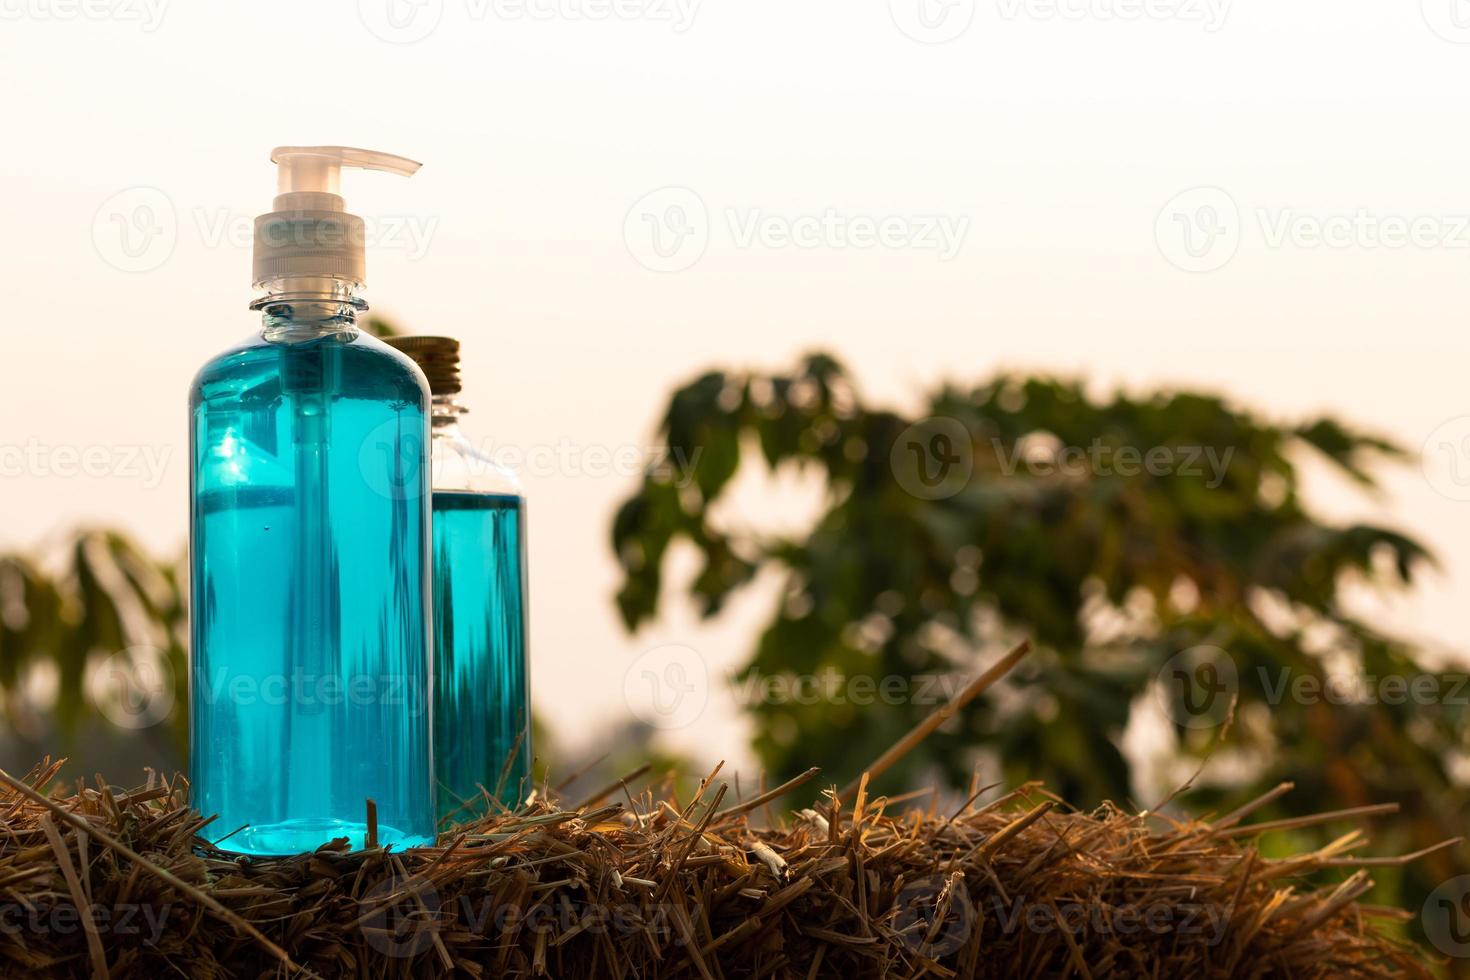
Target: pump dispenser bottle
(309, 548)
(482, 730)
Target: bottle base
(293, 837)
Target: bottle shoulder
(364, 366)
(459, 464)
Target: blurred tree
(1154, 547)
(101, 623)
(380, 326)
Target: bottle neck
(446, 412)
(297, 308)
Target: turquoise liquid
(481, 708)
(310, 675)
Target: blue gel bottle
(482, 710)
(309, 549)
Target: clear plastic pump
(309, 232)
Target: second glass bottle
(482, 730)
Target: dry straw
(634, 883)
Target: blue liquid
(310, 626)
(481, 708)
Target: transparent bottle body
(482, 720)
(311, 613)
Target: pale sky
(1264, 199)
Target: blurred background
(837, 344)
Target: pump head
(309, 233)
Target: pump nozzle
(309, 232)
